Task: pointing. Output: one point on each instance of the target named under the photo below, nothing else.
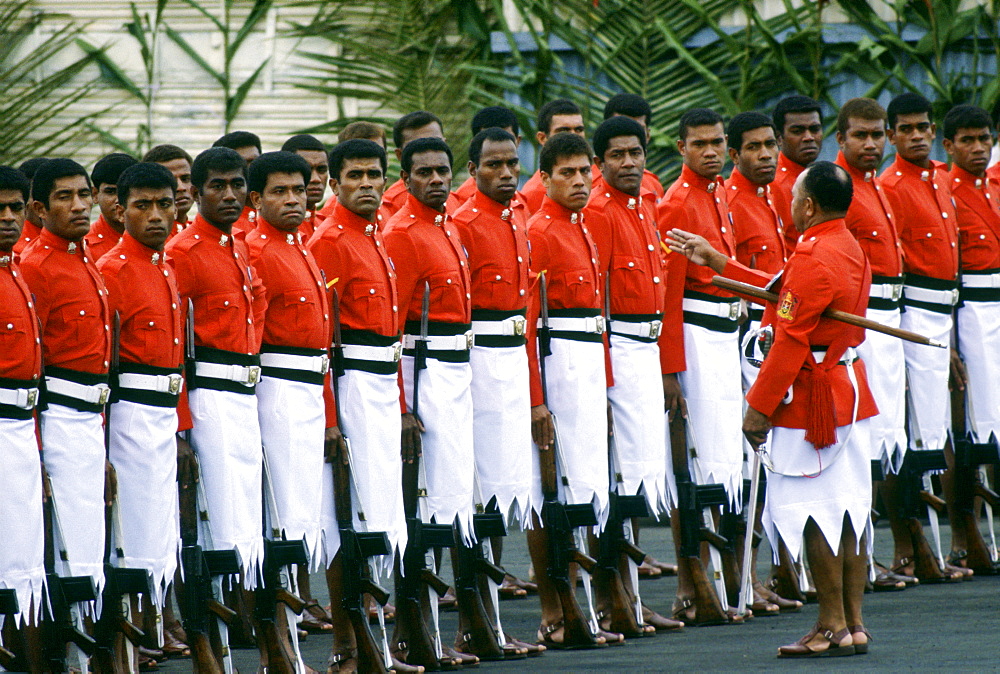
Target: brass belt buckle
(599, 322)
(324, 366)
(897, 291)
(105, 394)
(469, 339)
(31, 399)
(520, 324)
(253, 375)
(654, 329)
(734, 311)
(397, 352)
(174, 384)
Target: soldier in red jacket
(798, 124)
(178, 162)
(22, 567)
(812, 395)
(107, 229)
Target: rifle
(692, 499)
(559, 518)
(200, 598)
(424, 647)
(485, 637)
(8, 608)
(356, 548)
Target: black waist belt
(729, 323)
(88, 379)
(305, 365)
(440, 328)
(498, 321)
(895, 300)
(576, 335)
(645, 328)
(245, 371)
(164, 393)
(366, 338)
(27, 392)
(977, 286)
(940, 287)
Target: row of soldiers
(351, 384)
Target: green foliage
(34, 92)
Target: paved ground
(954, 626)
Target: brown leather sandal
(861, 649)
(800, 649)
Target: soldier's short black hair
(829, 186)
(109, 168)
(304, 141)
(630, 105)
(355, 148)
(965, 117)
(615, 127)
(29, 167)
(562, 146)
(493, 134)
(363, 130)
(743, 122)
(234, 140)
(697, 117)
(161, 154)
(907, 104)
(219, 159)
(142, 175)
(413, 120)
(48, 173)
(560, 106)
(867, 109)
(423, 145)
(12, 179)
(262, 167)
(793, 104)
(498, 116)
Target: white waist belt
(591, 324)
(849, 356)
(945, 297)
(650, 329)
(248, 375)
(95, 394)
(381, 354)
(288, 361)
(160, 383)
(513, 326)
(25, 398)
(886, 291)
(729, 310)
(461, 342)
(981, 281)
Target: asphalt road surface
(954, 627)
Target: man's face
(107, 201)
(970, 149)
(283, 203)
(149, 215)
(499, 167)
(623, 163)
(802, 137)
(360, 186)
(802, 206)
(563, 124)
(429, 179)
(68, 212)
(320, 166)
(221, 198)
(912, 136)
(249, 153)
(570, 182)
(432, 130)
(863, 144)
(181, 168)
(704, 149)
(12, 212)
(757, 157)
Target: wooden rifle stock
(756, 293)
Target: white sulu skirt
(842, 486)
(226, 438)
(143, 450)
(577, 398)
(712, 386)
(927, 370)
(884, 358)
(73, 446)
(640, 430)
(22, 562)
(369, 405)
(979, 346)
(501, 402)
(448, 463)
(292, 426)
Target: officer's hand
(187, 465)
(755, 427)
(543, 431)
(674, 402)
(412, 428)
(335, 446)
(110, 483)
(959, 376)
(46, 485)
(696, 248)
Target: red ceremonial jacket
(101, 238)
(977, 206)
(758, 229)
(781, 191)
(870, 220)
(20, 342)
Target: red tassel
(821, 423)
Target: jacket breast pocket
(496, 282)
(300, 307)
(578, 288)
(628, 277)
(368, 299)
(82, 321)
